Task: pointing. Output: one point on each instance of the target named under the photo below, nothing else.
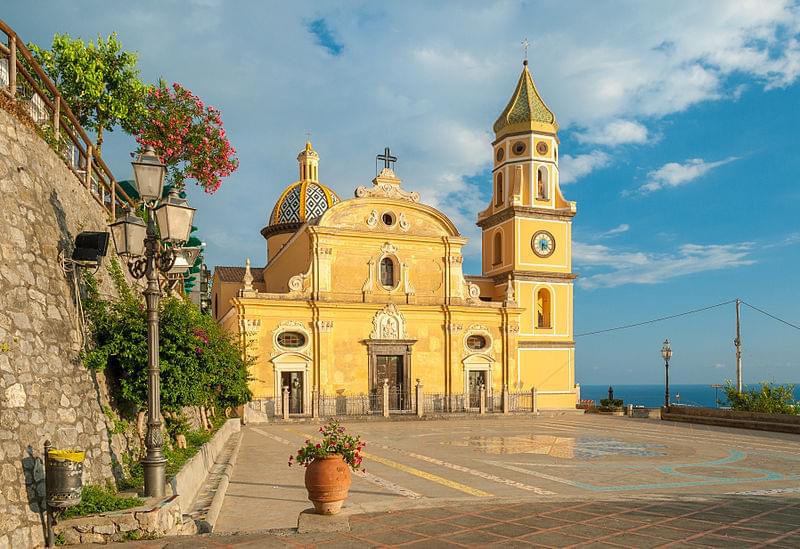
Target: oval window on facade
(476, 342)
(519, 148)
(500, 154)
(291, 340)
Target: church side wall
(45, 391)
(293, 260)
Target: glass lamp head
(174, 217)
(666, 350)
(129, 233)
(148, 175)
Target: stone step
(205, 508)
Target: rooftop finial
(525, 45)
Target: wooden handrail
(86, 164)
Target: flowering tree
(188, 135)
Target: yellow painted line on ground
(417, 472)
(428, 476)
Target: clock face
(543, 244)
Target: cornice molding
(545, 344)
(527, 212)
(543, 276)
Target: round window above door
(476, 342)
(291, 340)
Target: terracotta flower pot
(327, 482)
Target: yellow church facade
(360, 293)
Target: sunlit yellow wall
(561, 303)
(552, 372)
(527, 260)
(288, 262)
(341, 352)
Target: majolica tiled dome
(526, 109)
(302, 201)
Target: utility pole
(738, 343)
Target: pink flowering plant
(188, 136)
(334, 441)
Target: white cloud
(616, 132)
(572, 168)
(421, 87)
(607, 268)
(674, 174)
(618, 230)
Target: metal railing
(24, 81)
(402, 402)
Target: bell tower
(527, 226)
(527, 239)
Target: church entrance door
(294, 380)
(477, 378)
(392, 367)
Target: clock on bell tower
(527, 236)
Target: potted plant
(328, 465)
(612, 406)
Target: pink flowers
(189, 137)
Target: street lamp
(149, 252)
(666, 353)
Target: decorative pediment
(388, 323)
(386, 185)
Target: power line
(693, 311)
(796, 327)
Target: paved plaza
(588, 481)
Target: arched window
(543, 309)
(387, 273)
(498, 193)
(541, 183)
(497, 248)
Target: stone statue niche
(388, 324)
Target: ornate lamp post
(666, 353)
(149, 252)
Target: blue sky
(679, 141)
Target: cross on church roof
(387, 158)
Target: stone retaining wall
(731, 418)
(45, 391)
(157, 521)
(159, 518)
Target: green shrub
(611, 403)
(100, 499)
(768, 398)
(201, 365)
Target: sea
(652, 396)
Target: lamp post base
(155, 477)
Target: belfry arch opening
(544, 309)
(497, 248)
(542, 184)
(498, 193)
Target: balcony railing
(24, 81)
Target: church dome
(302, 201)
